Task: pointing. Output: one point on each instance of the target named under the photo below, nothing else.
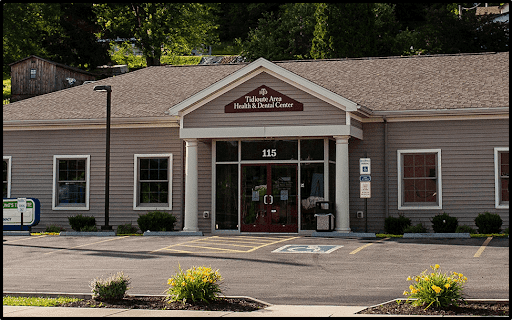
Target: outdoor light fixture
(108, 89)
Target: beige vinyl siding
(32, 169)
(315, 112)
(373, 144)
(467, 165)
(204, 184)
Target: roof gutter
(14, 125)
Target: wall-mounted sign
(263, 99)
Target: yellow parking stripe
(31, 237)
(227, 244)
(221, 249)
(174, 245)
(366, 245)
(87, 244)
(482, 248)
(225, 241)
(268, 244)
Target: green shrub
(89, 229)
(488, 223)
(465, 229)
(506, 230)
(54, 228)
(394, 225)
(443, 223)
(80, 222)
(126, 229)
(198, 283)
(112, 288)
(435, 288)
(156, 221)
(419, 228)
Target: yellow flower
(405, 293)
(411, 287)
(436, 267)
(461, 275)
(413, 290)
(436, 288)
(417, 279)
(409, 278)
(205, 280)
(448, 278)
(426, 279)
(447, 285)
(183, 283)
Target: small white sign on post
(365, 189)
(364, 166)
(22, 205)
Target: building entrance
(269, 198)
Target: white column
(191, 206)
(342, 187)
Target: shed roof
(55, 63)
(436, 82)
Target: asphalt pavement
(295, 274)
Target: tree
(283, 35)
(344, 30)
(174, 27)
(61, 32)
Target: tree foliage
(60, 32)
(344, 30)
(155, 27)
(283, 35)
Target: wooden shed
(33, 76)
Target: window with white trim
(6, 177)
(152, 180)
(71, 182)
(501, 165)
(419, 179)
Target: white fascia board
(267, 132)
(274, 69)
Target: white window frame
(9, 162)
(402, 206)
(56, 158)
(136, 157)
(497, 178)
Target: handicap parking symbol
(304, 248)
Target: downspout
(182, 184)
(386, 180)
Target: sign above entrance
(263, 99)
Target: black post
(107, 156)
(107, 165)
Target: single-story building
(252, 147)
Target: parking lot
(279, 269)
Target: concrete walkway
(271, 311)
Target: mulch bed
(159, 303)
(470, 309)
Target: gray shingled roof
(380, 84)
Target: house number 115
(269, 153)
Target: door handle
(265, 199)
(271, 199)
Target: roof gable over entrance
(253, 69)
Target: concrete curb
(172, 233)
(17, 233)
(343, 234)
(88, 234)
(437, 235)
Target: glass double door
(269, 198)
